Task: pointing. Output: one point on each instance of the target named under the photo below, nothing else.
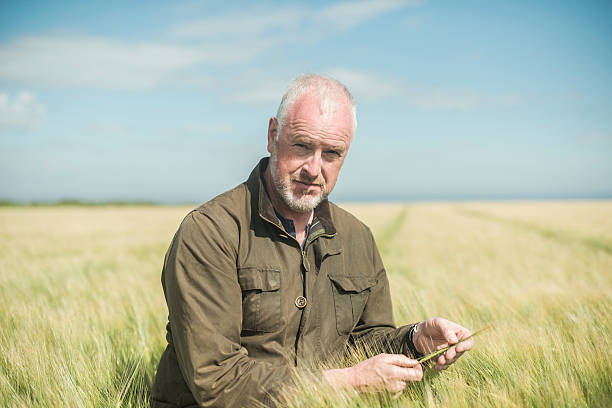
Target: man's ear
(272, 132)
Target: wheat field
(82, 313)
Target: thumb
(450, 336)
(403, 361)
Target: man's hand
(388, 372)
(437, 333)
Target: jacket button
(300, 302)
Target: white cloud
(24, 112)
(239, 24)
(103, 63)
(457, 99)
(187, 57)
(257, 94)
(366, 85)
(255, 87)
(370, 86)
(352, 13)
(264, 87)
(90, 61)
(288, 23)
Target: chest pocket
(350, 297)
(261, 301)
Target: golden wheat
(82, 313)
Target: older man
(270, 277)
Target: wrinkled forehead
(329, 112)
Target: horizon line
(352, 200)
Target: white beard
(301, 204)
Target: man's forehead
(333, 142)
(330, 112)
(323, 104)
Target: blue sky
(169, 101)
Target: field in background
(82, 313)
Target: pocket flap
(332, 251)
(353, 284)
(264, 279)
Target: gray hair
(326, 89)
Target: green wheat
(442, 350)
(82, 312)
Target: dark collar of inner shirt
(289, 226)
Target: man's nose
(313, 165)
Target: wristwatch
(411, 345)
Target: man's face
(307, 156)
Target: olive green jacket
(232, 278)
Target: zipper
(309, 240)
(282, 231)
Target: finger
(441, 346)
(450, 354)
(457, 357)
(463, 332)
(448, 362)
(441, 360)
(465, 345)
(400, 360)
(447, 329)
(452, 360)
(450, 336)
(397, 387)
(409, 374)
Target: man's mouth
(307, 184)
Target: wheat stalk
(438, 352)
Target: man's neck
(300, 220)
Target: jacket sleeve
(205, 312)
(376, 332)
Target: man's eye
(333, 153)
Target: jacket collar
(256, 185)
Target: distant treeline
(11, 203)
(379, 199)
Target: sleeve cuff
(409, 343)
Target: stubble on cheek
(296, 197)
